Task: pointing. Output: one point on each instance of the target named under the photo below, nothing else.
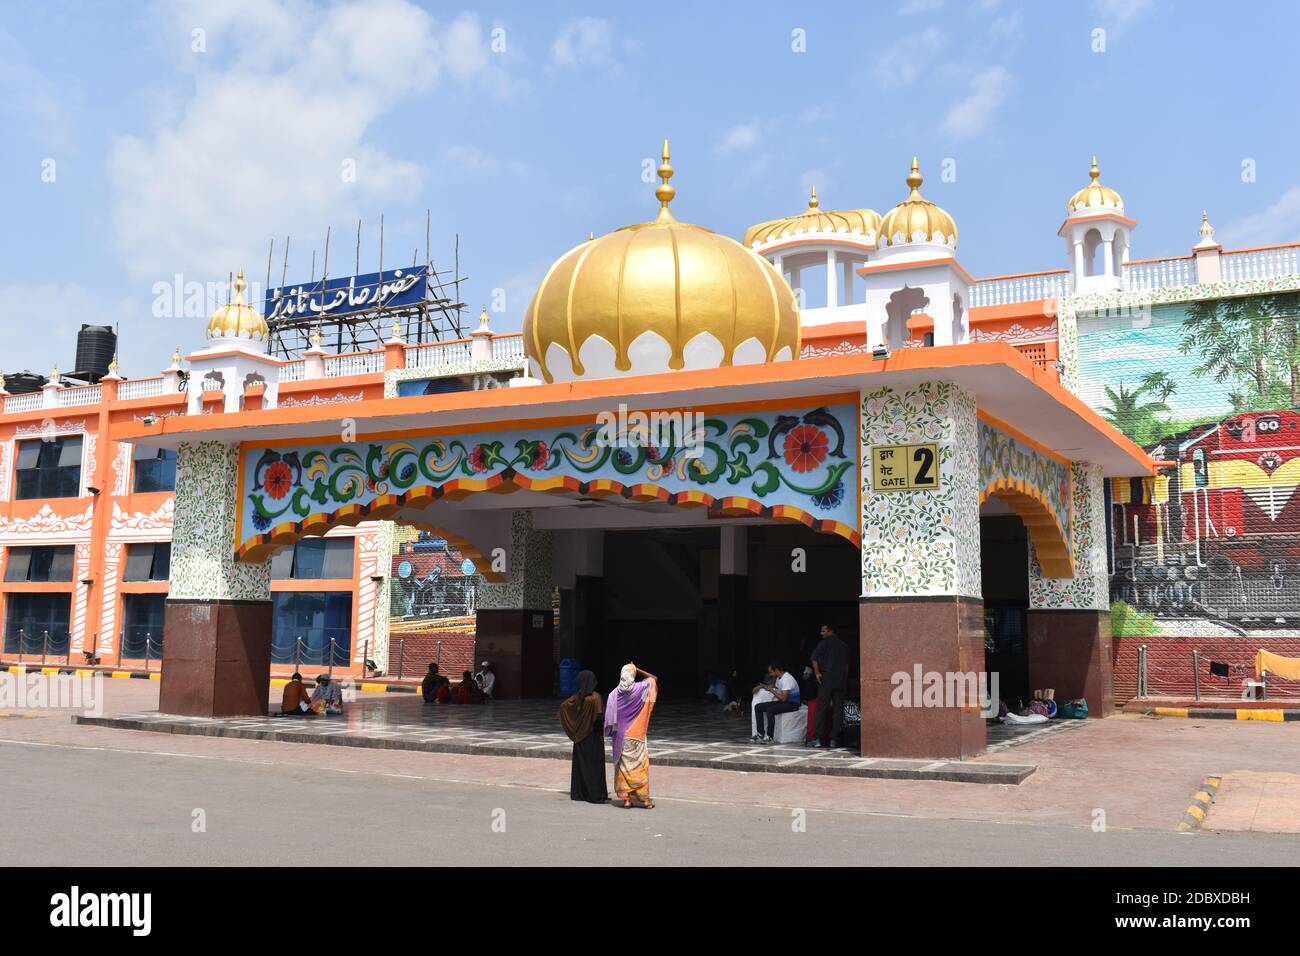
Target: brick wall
(422, 649)
(1169, 665)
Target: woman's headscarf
(627, 676)
(580, 709)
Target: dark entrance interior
(1004, 547)
(667, 606)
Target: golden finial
(397, 326)
(1207, 231)
(483, 316)
(176, 356)
(591, 237)
(315, 338)
(664, 192)
(813, 201)
(112, 366)
(240, 286)
(914, 179)
(1094, 173)
(54, 374)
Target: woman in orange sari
(627, 720)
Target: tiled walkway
(681, 734)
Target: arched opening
(1092, 242)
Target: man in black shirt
(830, 661)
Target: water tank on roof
(96, 346)
(20, 383)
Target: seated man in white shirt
(779, 694)
(486, 680)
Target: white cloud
(586, 42)
(30, 96)
(971, 115)
(284, 100)
(904, 62)
(1118, 15)
(919, 6)
(1277, 224)
(741, 137)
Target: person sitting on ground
(435, 689)
(715, 691)
(327, 697)
(295, 701)
(782, 692)
(486, 680)
(466, 692)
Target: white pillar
(1079, 272)
(832, 281)
(796, 283)
(846, 267)
(734, 556)
(1108, 254)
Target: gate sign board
(905, 467)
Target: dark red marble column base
(519, 646)
(944, 634)
(216, 658)
(1070, 651)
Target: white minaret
(1096, 234)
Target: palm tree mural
(1133, 413)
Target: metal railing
(139, 644)
(42, 645)
(140, 388)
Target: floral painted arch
(792, 465)
(1045, 531)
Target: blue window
(154, 469)
(37, 623)
(142, 626)
(49, 469)
(305, 622)
(314, 559)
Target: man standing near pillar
(830, 661)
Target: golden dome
(916, 214)
(237, 319)
(815, 219)
(1095, 195)
(706, 299)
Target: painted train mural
(1211, 545)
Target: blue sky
(169, 159)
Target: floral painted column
(515, 620)
(1069, 636)
(217, 624)
(921, 610)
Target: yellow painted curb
(1171, 711)
(155, 676)
(85, 672)
(1243, 714)
(120, 674)
(279, 681)
(49, 671)
(375, 688)
(15, 669)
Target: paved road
(139, 808)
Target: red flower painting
(278, 480)
(805, 448)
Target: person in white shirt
(485, 679)
(779, 694)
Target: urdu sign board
(347, 295)
(905, 467)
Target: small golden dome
(237, 319)
(863, 222)
(1095, 195)
(914, 215)
(703, 295)
(1206, 230)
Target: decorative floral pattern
(338, 398)
(1007, 461)
(922, 543)
(121, 468)
(46, 527)
(203, 534)
(1089, 589)
(529, 567)
(153, 526)
(785, 465)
